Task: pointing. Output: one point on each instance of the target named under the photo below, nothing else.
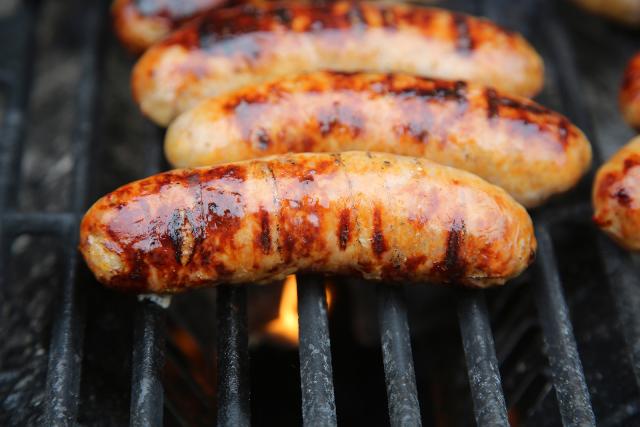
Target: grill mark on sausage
(452, 265)
(492, 103)
(464, 40)
(283, 15)
(262, 139)
(623, 197)
(344, 230)
(378, 242)
(631, 162)
(264, 238)
(441, 90)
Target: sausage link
(230, 48)
(139, 24)
(376, 215)
(623, 11)
(616, 196)
(512, 142)
(630, 93)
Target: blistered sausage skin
(230, 48)
(624, 11)
(375, 215)
(141, 23)
(630, 93)
(512, 142)
(616, 196)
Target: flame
(285, 326)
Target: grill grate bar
(566, 368)
(233, 357)
(53, 223)
(482, 365)
(65, 357)
(147, 394)
(316, 377)
(402, 393)
(623, 279)
(17, 60)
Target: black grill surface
(559, 346)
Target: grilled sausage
(379, 215)
(139, 24)
(624, 11)
(230, 48)
(616, 196)
(630, 93)
(512, 142)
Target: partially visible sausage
(616, 196)
(624, 11)
(230, 48)
(630, 93)
(374, 215)
(528, 150)
(141, 23)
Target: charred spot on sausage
(378, 242)
(344, 231)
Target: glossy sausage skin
(624, 11)
(512, 142)
(630, 93)
(616, 196)
(230, 48)
(141, 23)
(375, 215)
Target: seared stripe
(452, 265)
(378, 242)
(344, 231)
(265, 232)
(492, 103)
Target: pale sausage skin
(141, 23)
(623, 11)
(375, 215)
(630, 93)
(616, 196)
(230, 48)
(512, 142)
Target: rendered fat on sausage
(141, 23)
(512, 142)
(616, 196)
(227, 49)
(630, 93)
(375, 215)
(624, 11)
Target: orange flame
(285, 326)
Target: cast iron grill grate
(318, 401)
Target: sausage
(376, 215)
(139, 24)
(616, 196)
(623, 11)
(630, 93)
(512, 142)
(230, 48)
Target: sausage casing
(512, 142)
(139, 24)
(230, 48)
(376, 215)
(616, 196)
(630, 93)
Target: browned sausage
(630, 93)
(141, 23)
(379, 216)
(230, 48)
(624, 11)
(512, 142)
(616, 196)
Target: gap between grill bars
(315, 354)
